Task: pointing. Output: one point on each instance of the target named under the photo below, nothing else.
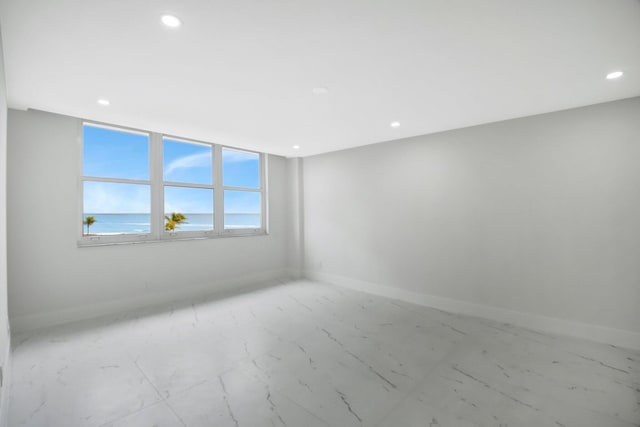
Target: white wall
(51, 280)
(295, 204)
(539, 215)
(528, 220)
(4, 319)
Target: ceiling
(242, 72)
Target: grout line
(420, 382)
(162, 398)
(175, 413)
(115, 420)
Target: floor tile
(308, 354)
(87, 388)
(157, 415)
(233, 399)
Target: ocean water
(141, 223)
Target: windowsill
(92, 243)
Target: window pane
(195, 204)
(114, 153)
(242, 209)
(116, 208)
(187, 162)
(240, 168)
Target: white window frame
(156, 183)
(182, 234)
(115, 238)
(261, 189)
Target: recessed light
(395, 124)
(320, 90)
(614, 75)
(103, 102)
(296, 147)
(171, 21)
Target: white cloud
(192, 161)
(235, 156)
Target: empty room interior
(320, 213)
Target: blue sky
(184, 162)
(116, 154)
(240, 169)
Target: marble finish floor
(306, 354)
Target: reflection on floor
(305, 354)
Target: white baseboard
(617, 337)
(32, 322)
(6, 386)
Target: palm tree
(89, 221)
(174, 220)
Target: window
(188, 186)
(139, 186)
(116, 184)
(242, 189)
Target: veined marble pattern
(308, 354)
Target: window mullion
(187, 185)
(264, 202)
(218, 191)
(157, 187)
(254, 190)
(116, 180)
(80, 184)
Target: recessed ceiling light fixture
(296, 147)
(171, 21)
(320, 90)
(395, 124)
(104, 102)
(614, 75)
